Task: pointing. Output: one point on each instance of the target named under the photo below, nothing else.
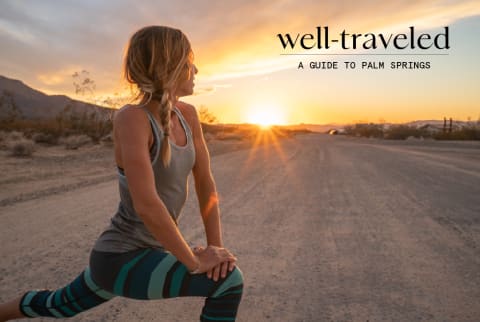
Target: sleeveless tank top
(127, 231)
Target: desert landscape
(344, 139)
(326, 228)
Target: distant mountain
(33, 104)
(322, 128)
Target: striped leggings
(141, 274)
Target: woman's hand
(220, 270)
(215, 261)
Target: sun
(266, 115)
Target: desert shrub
(22, 148)
(9, 111)
(469, 132)
(107, 140)
(205, 116)
(3, 139)
(365, 129)
(8, 137)
(95, 124)
(211, 128)
(63, 126)
(15, 136)
(46, 138)
(230, 136)
(290, 132)
(402, 132)
(281, 131)
(75, 141)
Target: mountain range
(33, 104)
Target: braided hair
(157, 59)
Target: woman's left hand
(218, 271)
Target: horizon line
(348, 123)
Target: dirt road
(325, 228)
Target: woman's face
(185, 88)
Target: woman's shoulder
(189, 112)
(130, 109)
(129, 113)
(186, 109)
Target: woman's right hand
(211, 256)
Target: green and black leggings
(141, 274)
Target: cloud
(210, 89)
(251, 48)
(230, 39)
(52, 79)
(12, 31)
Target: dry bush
(230, 136)
(75, 141)
(210, 128)
(3, 139)
(369, 130)
(46, 138)
(402, 132)
(107, 140)
(205, 116)
(469, 132)
(9, 137)
(22, 148)
(15, 136)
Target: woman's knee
(233, 283)
(237, 277)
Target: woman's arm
(206, 192)
(204, 182)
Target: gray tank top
(127, 231)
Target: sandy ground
(326, 229)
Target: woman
(142, 254)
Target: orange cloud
(250, 47)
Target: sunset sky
(242, 75)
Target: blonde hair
(158, 59)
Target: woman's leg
(155, 274)
(78, 296)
